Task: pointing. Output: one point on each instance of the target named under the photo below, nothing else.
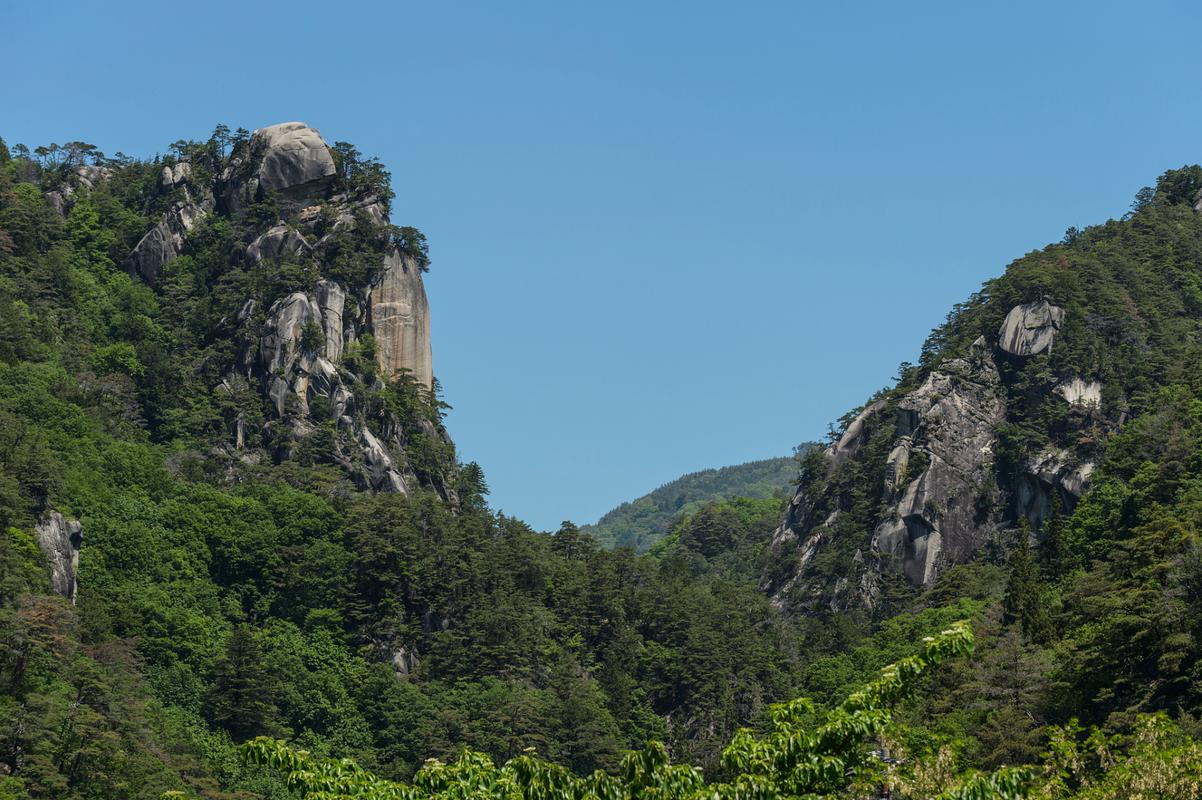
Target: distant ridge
(641, 523)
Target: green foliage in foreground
(804, 754)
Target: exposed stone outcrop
(1053, 473)
(278, 242)
(286, 320)
(331, 299)
(1086, 394)
(853, 437)
(294, 374)
(293, 352)
(1030, 328)
(165, 240)
(174, 175)
(938, 488)
(385, 477)
(60, 539)
(404, 661)
(86, 176)
(951, 419)
(897, 464)
(295, 158)
(400, 319)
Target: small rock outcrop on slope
(60, 539)
(165, 241)
(86, 176)
(1029, 329)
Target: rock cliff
(282, 190)
(59, 539)
(940, 498)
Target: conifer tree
(240, 698)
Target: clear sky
(665, 236)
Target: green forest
(253, 618)
(641, 523)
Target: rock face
(164, 241)
(278, 242)
(936, 450)
(951, 420)
(331, 300)
(86, 176)
(853, 438)
(295, 158)
(1086, 394)
(292, 348)
(1054, 473)
(1030, 328)
(400, 319)
(60, 539)
(174, 175)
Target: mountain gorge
(231, 509)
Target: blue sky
(665, 236)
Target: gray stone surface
(951, 419)
(931, 518)
(331, 298)
(280, 344)
(854, 435)
(897, 464)
(60, 539)
(87, 176)
(295, 158)
(165, 240)
(174, 175)
(278, 242)
(1086, 394)
(1053, 473)
(385, 477)
(1030, 328)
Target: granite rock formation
(293, 346)
(1030, 328)
(400, 318)
(941, 498)
(60, 539)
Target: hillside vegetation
(276, 541)
(641, 523)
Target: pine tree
(1024, 601)
(240, 700)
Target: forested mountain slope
(1044, 455)
(641, 523)
(230, 509)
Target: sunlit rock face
(295, 158)
(341, 280)
(1030, 328)
(400, 319)
(1085, 394)
(913, 486)
(165, 240)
